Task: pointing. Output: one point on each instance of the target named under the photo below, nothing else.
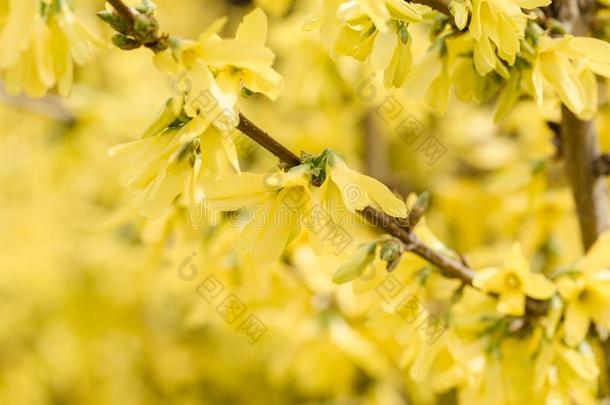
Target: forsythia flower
(513, 282)
(215, 71)
(193, 138)
(172, 156)
(498, 25)
(274, 205)
(372, 28)
(39, 43)
(353, 191)
(564, 374)
(569, 64)
(587, 292)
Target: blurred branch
(376, 156)
(581, 151)
(580, 147)
(49, 106)
(602, 165)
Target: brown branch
(123, 10)
(376, 155)
(580, 146)
(266, 141)
(602, 165)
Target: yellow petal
(598, 256)
(558, 71)
(529, 4)
(234, 191)
(516, 261)
(400, 66)
(591, 48)
(274, 236)
(383, 197)
(576, 324)
(512, 303)
(584, 366)
(538, 286)
(403, 10)
(377, 12)
(253, 28)
(484, 57)
(568, 288)
(490, 279)
(459, 11)
(383, 50)
(16, 32)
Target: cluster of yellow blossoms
(40, 41)
(489, 46)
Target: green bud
(145, 28)
(403, 32)
(125, 43)
(114, 20)
(418, 210)
(318, 164)
(391, 252)
(365, 254)
(147, 7)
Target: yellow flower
(569, 65)
(213, 72)
(353, 191)
(392, 52)
(565, 375)
(160, 168)
(173, 155)
(243, 63)
(274, 205)
(498, 25)
(513, 282)
(372, 28)
(587, 293)
(39, 44)
(380, 12)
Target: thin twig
(266, 141)
(49, 106)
